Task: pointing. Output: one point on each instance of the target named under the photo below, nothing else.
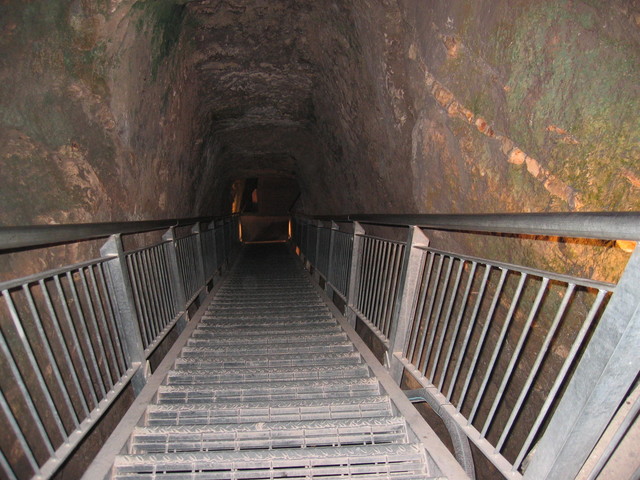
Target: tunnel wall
(108, 109)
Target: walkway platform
(271, 382)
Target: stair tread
(253, 361)
(308, 404)
(269, 385)
(371, 453)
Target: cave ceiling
(256, 80)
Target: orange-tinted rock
(626, 245)
(442, 96)
(516, 156)
(533, 167)
(451, 44)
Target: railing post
(305, 243)
(227, 241)
(174, 270)
(200, 263)
(403, 310)
(332, 241)
(607, 370)
(354, 275)
(127, 318)
(319, 226)
(212, 227)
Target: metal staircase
(258, 374)
(270, 386)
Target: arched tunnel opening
(282, 111)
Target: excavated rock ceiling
(256, 79)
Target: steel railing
(71, 339)
(504, 351)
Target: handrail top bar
(595, 225)
(29, 236)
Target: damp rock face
(125, 110)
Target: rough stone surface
(141, 109)
(124, 110)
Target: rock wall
(484, 106)
(125, 110)
(98, 113)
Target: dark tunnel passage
(136, 110)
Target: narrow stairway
(270, 386)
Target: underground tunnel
(276, 112)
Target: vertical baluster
(386, 291)
(141, 313)
(103, 322)
(126, 318)
(393, 298)
(378, 274)
(483, 335)
(436, 317)
(111, 323)
(35, 415)
(65, 350)
(74, 338)
(150, 293)
(94, 321)
(17, 431)
(560, 378)
(470, 327)
(418, 312)
(410, 275)
(363, 279)
(164, 314)
(213, 249)
(534, 369)
(516, 354)
(35, 314)
(5, 468)
(432, 293)
(82, 327)
(332, 257)
(456, 330)
(33, 363)
(174, 270)
(354, 276)
(199, 255)
(445, 327)
(499, 344)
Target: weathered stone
(516, 156)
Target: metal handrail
(29, 236)
(436, 311)
(595, 225)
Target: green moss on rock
(567, 77)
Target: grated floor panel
(269, 386)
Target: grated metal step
(270, 374)
(248, 436)
(267, 391)
(267, 361)
(270, 386)
(216, 340)
(279, 410)
(261, 331)
(375, 461)
(274, 322)
(293, 347)
(257, 317)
